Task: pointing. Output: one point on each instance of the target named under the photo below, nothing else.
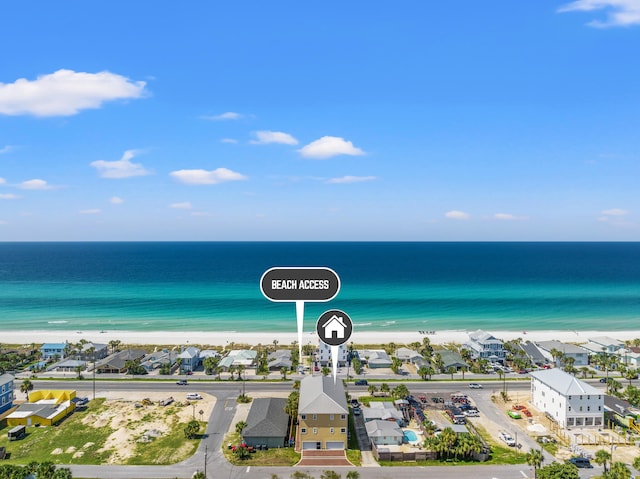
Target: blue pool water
(410, 436)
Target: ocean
(385, 286)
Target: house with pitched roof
(407, 355)
(580, 355)
(323, 355)
(116, 363)
(483, 345)
(267, 423)
(238, 357)
(384, 433)
(53, 350)
(566, 400)
(451, 359)
(375, 358)
(322, 414)
(44, 408)
(189, 359)
(6, 392)
(279, 359)
(532, 352)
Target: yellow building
(322, 414)
(45, 408)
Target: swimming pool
(409, 435)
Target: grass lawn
(501, 454)
(284, 456)
(80, 443)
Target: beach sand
(266, 337)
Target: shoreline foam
(224, 338)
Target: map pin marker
(294, 284)
(334, 328)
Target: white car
(475, 386)
(193, 396)
(506, 437)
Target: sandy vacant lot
(134, 425)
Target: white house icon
(334, 327)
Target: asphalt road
(223, 413)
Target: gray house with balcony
(483, 345)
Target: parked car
(475, 386)
(181, 382)
(193, 396)
(581, 462)
(361, 382)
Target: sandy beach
(266, 337)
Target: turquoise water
(409, 435)
(385, 286)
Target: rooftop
(320, 395)
(564, 383)
(564, 348)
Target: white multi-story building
(567, 400)
(323, 355)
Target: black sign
(300, 284)
(334, 327)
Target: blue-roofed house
(53, 350)
(189, 359)
(6, 392)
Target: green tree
(423, 372)
(384, 388)
(209, 363)
(451, 370)
(534, 459)
(45, 470)
(199, 475)
(26, 387)
(325, 371)
(191, 429)
(357, 365)
(78, 370)
(619, 470)
(601, 458)
(400, 391)
(283, 372)
(353, 475)
(240, 425)
(372, 389)
(62, 473)
(556, 470)
(328, 474)
(636, 463)
(241, 452)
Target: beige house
(322, 414)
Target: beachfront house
(93, 351)
(384, 433)
(323, 355)
(322, 414)
(189, 359)
(375, 358)
(267, 423)
(279, 359)
(69, 365)
(580, 355)
(566, 400)
(6, 392)
(238, 357)
(44, 408)
(407, 355)
(53, 350)
(605, 344)
(157, 359)
(117, 362)
(451, 359)
(532, 352)
(483, 345)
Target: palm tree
(602, 457)
(353, 475)
(463, 370)
(451, 370)
(384, 388)
(636, 463)
(240, 370)
(372, 389)
(325, 371)
(45, 470)
(240, 425)
(619, 470)
(423, 372)
(26, 386)
(283, 372)
(113, 344)
(535, 459)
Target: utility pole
(205, 461)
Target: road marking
(523, 474)
(248, 469)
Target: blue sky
(253, 120)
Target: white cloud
(8, 196)
(2, 181)
(65, 93)
(228, 115)
(329, 146)
(508, 217)
(35, 184)
(122, 168)
(201, 214)
(6, 149)
(620, 13)
(116, 200)
(265, 137)
(204, 177)
(229, 140)
(350, 179)
(185, 205)
(3, 222)
(90, 212)
(457, 215)
(615, 212)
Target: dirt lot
(131, 424)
